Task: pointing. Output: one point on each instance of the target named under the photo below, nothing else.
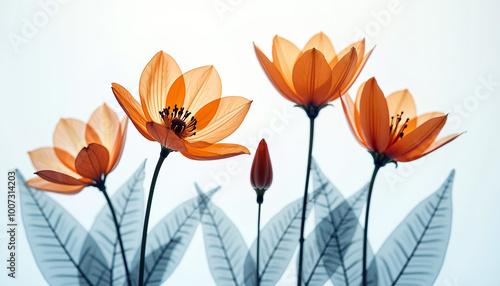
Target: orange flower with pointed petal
(83, 153)
(316, 75)
(389, 127)
(184, 112)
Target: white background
(444, 52)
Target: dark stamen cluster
(395, 124)
(177, 120)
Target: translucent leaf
(226, 249)
(329, 196)
(333, 246)
(169, 240)
(59, 243)
(414, 253)
(279, 239)
(128, 203)
(333, 251)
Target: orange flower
(184, 112)
(390, 128)
(83, 153)
(316, 75)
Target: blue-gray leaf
(128, 203)
(329, 196)
(279, 239)
(333, 250)
(169, 240)
(414, 252)
(226, 249)
(59, 243)
(333, 247)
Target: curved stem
(163, 154)
(303, 221)
(258, 245)
(102, 188)
(365, 237)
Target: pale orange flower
(83, 153)
(390, 128)
(184, 112)
(316, 75)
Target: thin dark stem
(163, 154)
(365, 237)
(303, 221)
(102, 188)
(258, 245)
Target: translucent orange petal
(197, 144)
(92, 162)
(433, 147)
(402, 101)
(277, 79)
(342, 72)
(215, 152)
(356, 109)
(360, 50)
(312, 77)
(205, 115)
(419, 120)
(230, 114)
(106, 125)
(285, 54)
(156, 79)
(70, 136)
(427, 116)
(176, 93)
(203, 85)
(117, 150)
(47, 159)
(145, 110)
(417, 141)
(165, 136)
(67, 159)
(374, 116)
(350, 113)
(41, 184)
(322, 43)
(132, 109)
(60, 178)
(359, 68)
(91, 135)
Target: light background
(445, 52)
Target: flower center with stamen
(397, 130)
(180, 121)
